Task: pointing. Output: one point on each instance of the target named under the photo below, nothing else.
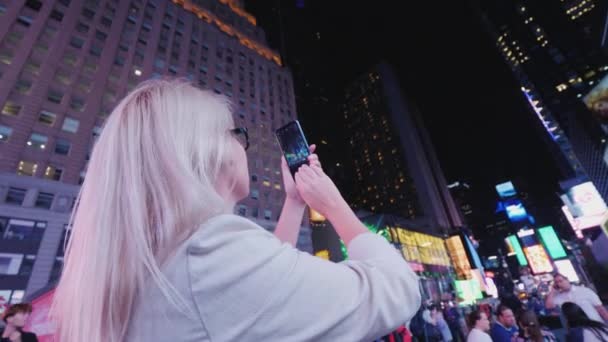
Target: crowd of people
(570, 313)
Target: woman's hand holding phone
(289, 184)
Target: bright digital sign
(585, 200)
(515, 210)
(468, 291)
(459, 257)
(505, 190)
(515, 248)
(566, 268)
(552, 242)
(538, 258)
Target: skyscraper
(65, 64)
(554, 53)
(393, 161)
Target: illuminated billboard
(538, 258)
(515, 248)
(515, 210)
(552, 242)
(583, 222)
(505, 190)
(566, 268)
(420, 248)
(597, 101)
(467, 291)
(459, 257)
(585, 200)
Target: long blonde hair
(149, 185)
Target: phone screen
(294, 145)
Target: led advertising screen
(515, 248)
(515, 210)
(583, 222)
(535, 253)
(585, 200)
(552, 242)
(459, 257)
(505, 190)
(468, 291)
(566, 268)
(597, 101)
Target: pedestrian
(505, 327)
(563, 291)
(531, 330)
(479, 326)
(156, 253)
(15, 318)
(580, 327)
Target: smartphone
(293, 145)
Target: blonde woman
(157, 255)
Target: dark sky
(480, 125)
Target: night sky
(480, 124)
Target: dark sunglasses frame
(243, 131)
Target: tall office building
(65, 64)
(554, 54)
(393, 161)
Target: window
(24, 20)
(62, 147)
(70, 125)
(63, 77)
(57, 15)
(105, 21)
(82, 28)
(242, 210)
(5, 133)
(47, 118)
(267, 214)
(15, 196)
(19, 229)
(17, 296)
(254, 212)
(88, 13)
(70, 59)
(53, 173)
(254, 178)
(11, 108)
(27, 265)
(76, 103)
(23, 86)
(6, 56)
(27, 168)
(101, 35)
(54, 96)
(33, 67)
(76, 42)
(255, 194)
(44, 200)
(38, 141)
(10, 263)
(266, 181)
(33, 4)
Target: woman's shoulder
(225, 229)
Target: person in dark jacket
(15, 318)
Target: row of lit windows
(243, 211)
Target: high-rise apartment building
(64, 65)
(395, 169)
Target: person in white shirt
(479, 325)
(563, 291)
(156, 253)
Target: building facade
(395, 169)
(555, 55)
(65, 64)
